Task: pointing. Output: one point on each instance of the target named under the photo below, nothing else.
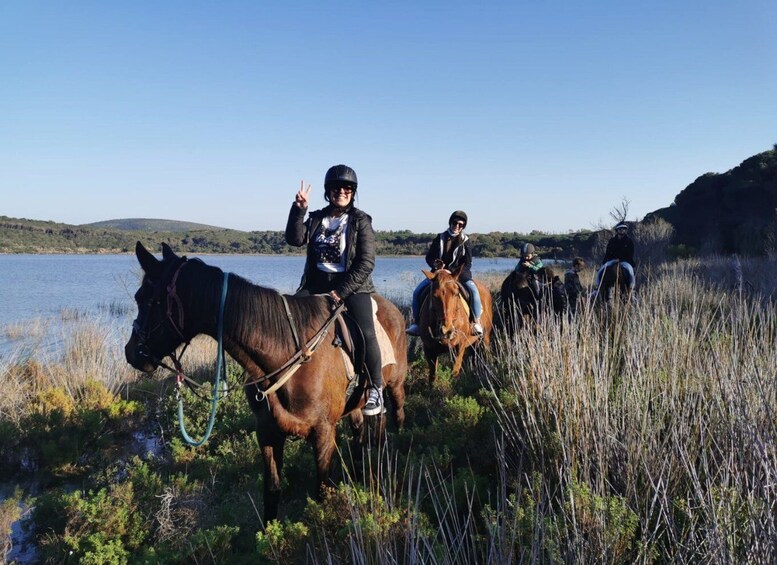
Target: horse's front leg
(460, 354)
(431, 363)
(397, 395)
(323, 439)
(272, 444)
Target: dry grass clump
(90, 353)
(35, 328)
(668, 403)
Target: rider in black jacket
(619, 248)
(340, 261)
(450, 250)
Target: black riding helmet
(527, 249)
(458, 215)
(339, 175)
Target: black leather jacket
(459, 254)
(359, 249)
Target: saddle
(350, 339)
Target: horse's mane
(256, 316)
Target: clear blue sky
(528, 115)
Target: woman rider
(530, 264)
(619, 248)
(340, 260)
(450, 250)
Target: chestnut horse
(262, 330)
(445, 321)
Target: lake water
(51, 289)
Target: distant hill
(150, 225)
(731, 212)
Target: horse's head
(447, 302)
(157, 330)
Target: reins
(220, 369)
(286, 371)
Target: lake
(51, 289)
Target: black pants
(360, 308)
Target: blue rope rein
(220, 373)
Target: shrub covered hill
(119, 236)
(732, 212)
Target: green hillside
(150, 225)
(33, 236)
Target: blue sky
(528, 115)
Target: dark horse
(179, 299)
(614, 283)
(445, 320)
(522, 306)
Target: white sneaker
(374, 402)
(413, 330)
(478, 329)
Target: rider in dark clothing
(450, 250)
(619, 248)
(340, 260)
(573, 285)
(530, 264)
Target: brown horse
(614, 284)
(445, 321)
(522, 306)
(262, 330)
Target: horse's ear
(167, 252)
(148, 262)
(429, 274)
(457, 273)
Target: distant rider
(450, 250)
(530, 264)
(573, 285)
(619, 248)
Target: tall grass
(668, 404)
(89, 352)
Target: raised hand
(301, 200)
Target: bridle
(143, 334)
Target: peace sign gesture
(301, 199)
